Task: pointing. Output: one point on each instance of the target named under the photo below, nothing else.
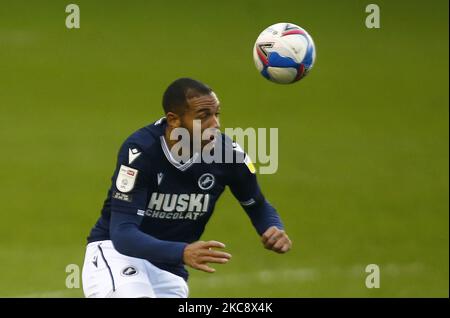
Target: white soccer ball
(284, 53)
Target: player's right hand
(198, 254)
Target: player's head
(186, 100)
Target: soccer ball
(284, 53)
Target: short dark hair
(176, 95)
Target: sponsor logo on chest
(177, 206)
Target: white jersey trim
(172, 160)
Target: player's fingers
(205, 268)
(282, 249)
(277, 244)
(269, 245)
(273, 240)
(217, 244)
(213, 253)
(277, 236)
(209, 259)
(268, 233)
(286, 247)
(280, 243)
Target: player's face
(205, 108)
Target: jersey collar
(172, 160)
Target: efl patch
(126, 179)
(122, 196)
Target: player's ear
(173, 120)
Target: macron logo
(132, 155)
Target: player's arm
(263, 215)
(129, 240)
(130, 191)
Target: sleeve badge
(126, 179)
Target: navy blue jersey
(170, 201)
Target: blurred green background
(363, 153)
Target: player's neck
(170, 142)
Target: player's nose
(216, 123)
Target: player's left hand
(276, 240)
